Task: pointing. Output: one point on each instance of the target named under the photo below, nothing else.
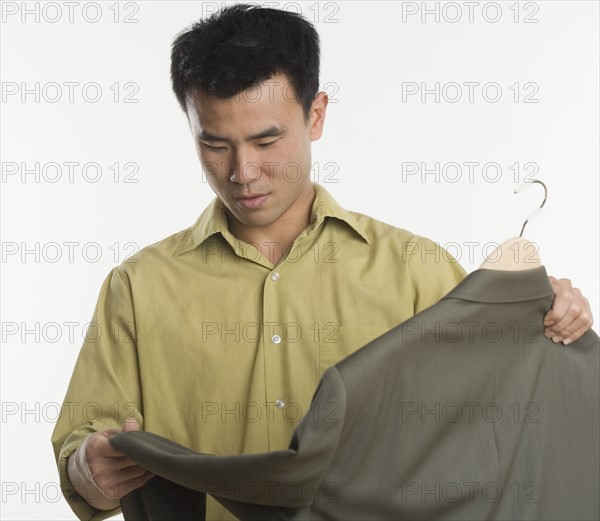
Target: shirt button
(276, 339)
(275, 276)
(279, 403)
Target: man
(216, 336)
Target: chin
(252, 219)
(257, 222)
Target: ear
(317, 115)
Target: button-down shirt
(205, 341)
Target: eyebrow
(272, 131)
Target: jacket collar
(486, 285)
(212, 220)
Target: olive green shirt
(206, 342)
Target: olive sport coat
(465, 411)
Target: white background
(368, 51)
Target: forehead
(273, 100)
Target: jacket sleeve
(434, 271)
(273, 485)
(105, 385)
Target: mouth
(253, 201)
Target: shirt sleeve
(433, 270)
(105, 385)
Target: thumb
(131, 424)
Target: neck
(275, 239)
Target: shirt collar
(212, 220)
(486, 285)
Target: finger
(558, 311)
(108, 482)
(568, 324)
(563, 297)
(105, 448)
(103, 458)
(577, 334)
(108, 433)
(582, 322)
(101, 447)
(116, 489)
(104, 466)
(131, 424)
(108, 450)
(126, 487)
(577, 317)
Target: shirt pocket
(339, 342)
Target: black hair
(241, 46)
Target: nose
(245, 168)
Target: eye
(266, 145)
(214, 148)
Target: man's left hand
(570, 315)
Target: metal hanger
(525, 185)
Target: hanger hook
(525, 185)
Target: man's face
(257, 144)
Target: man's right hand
(101, 474)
